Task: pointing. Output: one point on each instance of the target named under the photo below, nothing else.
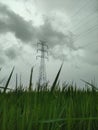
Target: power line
(84, 22)
(87, 31)
(87, 16)
(81, 9)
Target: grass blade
(7, 88)
(30, 83)
(7, 83)
(56, 79)
(93, 87)
(16, 83)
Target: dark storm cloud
(91, 56)
(2, 56)
(54, 37)
(26, 32)
(10, 53)
(2, 60)
(61, 56)
(13, 52)
(11, 22)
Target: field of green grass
(45, 110)
(54, 108)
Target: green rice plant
(91, 84)
(7, 83)
(66, 108)
(44, 110)
(16, 86)
(56, 79)
(30, 82)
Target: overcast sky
(70, 28)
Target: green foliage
(7, 83)
(64, 109)
(56, 79)
(30, 83)
(51, 108)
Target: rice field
(49, 108)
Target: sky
(70, 29)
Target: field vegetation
(48, 108)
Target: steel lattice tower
(43, 48)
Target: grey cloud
(26, 32)
(54, 37)
(11, 22)
(12, 53)
(2, 60)
(62, 57)
(90, 56)
(72, 7)
(3, 27)
(2, 56)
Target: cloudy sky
(70, 28)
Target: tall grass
(55, 108)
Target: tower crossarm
(39, 56)
(42, 50)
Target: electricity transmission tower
(43, 49)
